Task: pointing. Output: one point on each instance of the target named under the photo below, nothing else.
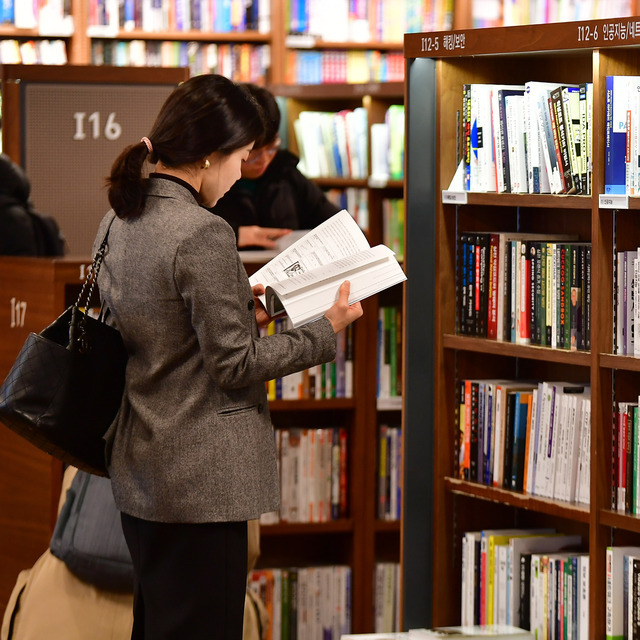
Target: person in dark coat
(23, 231)
(272, 197)
(17, 233)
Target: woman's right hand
(342, 314)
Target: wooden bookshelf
(442, 507)
(34, 291)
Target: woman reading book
(191, 454)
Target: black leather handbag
(65, 387)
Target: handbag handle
(77, 333)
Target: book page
(338, 237)
(379, 271)
(339, 269)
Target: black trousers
(190, 579)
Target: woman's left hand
(262, 317)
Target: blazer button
(260, 407)
(251, 305)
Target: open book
(303, 280)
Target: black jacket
(17, 233)
(281, 198)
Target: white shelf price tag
(613, 201)
(454, 197)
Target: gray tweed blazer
(193, 440)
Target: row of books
(329, 380)
(352, 66)
(313, 475)
(389, 352)
(535, 579)
(367, 20)
(622, 592)
(627, 312)
(622, 135)
(333, 145)
(107, 17)
(387, 146)
(48, 16)
(497, 13)
(526, 436)
(529, 138)
(33, 52)
(386, 596)
(625, 494)
(355, 200)
(305, 602)
(389, 473)
(525, 288)
(393, 225)
(240, 62)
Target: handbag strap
(77, 332)
(92, 274)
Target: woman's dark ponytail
(126, 183)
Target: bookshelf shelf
(329, 404)
(340, 183)
(14, 32)
(538, 201)
(620, 521)
(253, 37)
(309, 42)
(342, 91)
(384, 526)
(531, 352)
(577, 513)
(623, 363)
(306, 528)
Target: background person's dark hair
(206, 113)
(271, 113)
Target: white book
(500, 607)
(471, 560)
(636, 307)
(541, 477)
(585, 482)
(540, 91)
(619, 311)
(304, 279)
(514, 107)
(379, 151)
(614, 617)
(276, 620)
(583, 597)
(575, 445)
(537, 168)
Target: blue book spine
(615, 137)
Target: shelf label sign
(448, 41)
(609, 31)
(454, 197)
(18, 313)
(613, 201)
